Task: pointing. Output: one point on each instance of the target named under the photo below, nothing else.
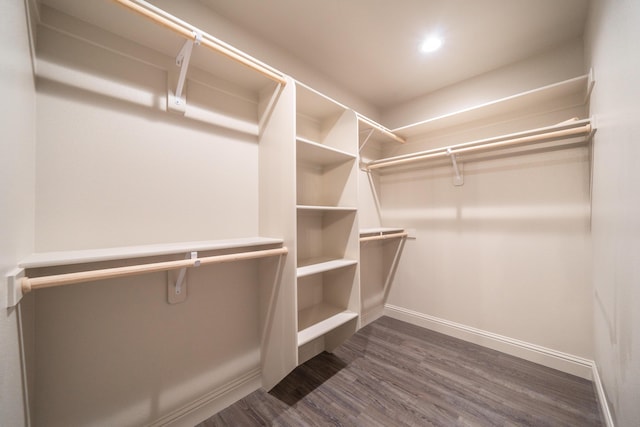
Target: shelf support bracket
(14, 287)
(177, 286)
(366, 139)
(458, 179)
(175, 100)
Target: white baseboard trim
(212, 402)
(216, 400)
(602, 398)
(564, 362)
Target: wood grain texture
(392, 373)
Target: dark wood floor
(392, 373)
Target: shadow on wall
(541, 191)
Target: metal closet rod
(384, 236)
(561, 131)
(187, 31)
(28, 284)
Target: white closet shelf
(321, 209)
(50, 259)
(313, 104)
(571, 92)
(315, 266)
(315, 321)
(314, 152)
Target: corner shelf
(315, 321)
(327, 249)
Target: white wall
(614, 28)
(508, 252)
(17, 173)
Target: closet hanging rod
(188, 31)
(28, 284)
(381, 128)
(561, 131)
(384, 237)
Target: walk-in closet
(351, 213)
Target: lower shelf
(316, 321)
(307, 268)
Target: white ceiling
(371, 47)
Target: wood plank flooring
(392, 373)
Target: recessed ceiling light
(431, 44)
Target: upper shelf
(147, 25)
(50, 259)
(312, 152)
(572, 92)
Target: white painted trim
(602, 398)
(212, 402)
(564, 362)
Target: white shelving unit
(327, 291)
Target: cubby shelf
(315, 321)
(319, 154)
(315, 266)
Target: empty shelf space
(326, 185)
(317, 320)
(313, 104)
(316, 153)
(50, 259)
(309, 267)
